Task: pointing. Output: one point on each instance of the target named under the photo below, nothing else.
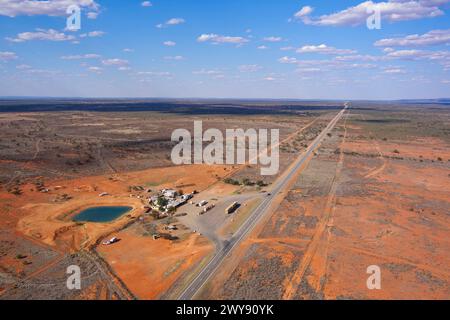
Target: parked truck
(232, 208)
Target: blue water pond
(101, 214)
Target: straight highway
(205, 274)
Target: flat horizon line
(212, 98)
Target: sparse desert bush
(231, 181)
(16, 191)
(171, 210)
(261, 183)
(247, 182)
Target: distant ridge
(190, 99)
(441, 100)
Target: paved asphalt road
(250, 223)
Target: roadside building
(169, 193)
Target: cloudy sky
(235, 48)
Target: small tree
(171, 210)
(231, 181)
(162, 202)
(261, 183)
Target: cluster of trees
(245, 182)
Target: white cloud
(358, 57)
(115, 62)
(128, 50)
(249, 68)
(269, 79)
(216, 39)
(13, 8)
(442, 57)
(92, 15)
(323, 49)
(419, 54)
(262, 47)
(273, 39)
(359, 66)
(170, 43)
(324, 65)
(7, 55)
(175, 21)
(146, 4)
(308, 63)
(208, 72)
(308, 70)
(305, 11)
(394, 70)
(93, 34)
(288, 60)
(23, 67)
(434, 37)
(392, 11)
(406, 54)
(176, 58)
(155, 73)
(42, 72)
(95, 69)
(171, 22)
(41, 34)
(81, 57)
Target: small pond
(101, 214)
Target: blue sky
(226, 49)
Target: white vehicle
(110, 241)
(186, 197)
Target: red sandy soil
(150, 267)
(38, 216)
(395, 216)
(419, 148)
(402, 226)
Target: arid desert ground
(375, 191)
